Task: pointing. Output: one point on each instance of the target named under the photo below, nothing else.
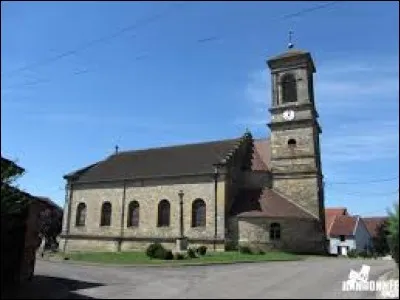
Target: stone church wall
(148, 193)
(298, 235)
(303, 190)
(258, 179)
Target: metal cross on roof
(290, 45)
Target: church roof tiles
(266, 203)
(177, 160)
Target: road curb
(177, 265)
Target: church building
(241, 191)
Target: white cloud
(341, 85)
(258, 97)
(361, 142)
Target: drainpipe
(215, 205)
(181, 194)
(122, 217)
(68, 185)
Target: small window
(164, 209)
(292, 143)
(275, 232)
(342, 238)
(105, 214)
(81, 214)
(133, 214)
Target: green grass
(133, 258)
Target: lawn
(133, 258)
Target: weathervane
(290, 45)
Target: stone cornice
(136, 238)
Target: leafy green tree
(13, 201)
(381, 245)
(50, 221)
(14, 209)
(394, 232)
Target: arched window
(81, 214)
(105, 214)
(198, 213)
(275, 231)
(133, 214)
(289, 88)
(163, 213)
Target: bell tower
(295, 147)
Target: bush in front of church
(245, 250)
(168, 255)
(155, 250)
(179, 256)
(191, 253)
(202, 250)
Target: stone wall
(298, 235)
(304, 137)
(258, 179)
(148, 194)
(302, 190)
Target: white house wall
(334, 242)
(363, 238)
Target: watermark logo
(358, 282)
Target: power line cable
(280, 18)
(141, 57)
(363, 182)
(141, 22)
(310, 9)
(369, 194)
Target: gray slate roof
(166, 161)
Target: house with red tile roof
(373, 224)
(346, 232)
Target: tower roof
(290, 57)
(290, 53)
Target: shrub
(179, 256)
(202, 250)
(245, 250)
(394, 232)
(155, 250)
(168, 255)
(352, 253)
(261, 252)
(191, 253)
(230, 246)
(160, 253)
(365, 254)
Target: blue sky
(158, 84)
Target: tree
(394, 232)
(381, 245)
(50, 221)
(13, 201)
(14, 210)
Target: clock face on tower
(288, 115)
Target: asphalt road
(312, 278)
